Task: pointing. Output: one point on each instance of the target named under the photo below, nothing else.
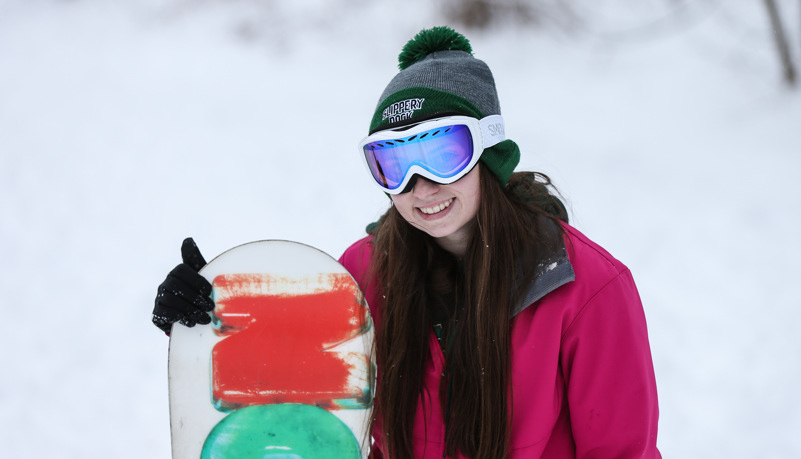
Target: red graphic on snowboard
(279, 339)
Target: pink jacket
(582, 376)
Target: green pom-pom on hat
(427, 41)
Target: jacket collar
(554, 271)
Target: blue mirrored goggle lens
(443, 151)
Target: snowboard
(284, 370)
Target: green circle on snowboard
(281, 431)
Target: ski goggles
(442, 150)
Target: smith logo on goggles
(442, 150)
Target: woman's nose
(425, 187)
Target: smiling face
(445, 212)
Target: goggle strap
(492, 130)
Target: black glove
(184, 296)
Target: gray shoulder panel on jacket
(552, 273)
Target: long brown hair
(416, 276)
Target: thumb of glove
(191, 254)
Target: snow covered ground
(127, 126)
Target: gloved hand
(184, 296)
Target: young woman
(501, 330)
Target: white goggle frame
(485, 132)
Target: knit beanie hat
(440, 77)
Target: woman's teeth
(436, 209)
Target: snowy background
(126, 126)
